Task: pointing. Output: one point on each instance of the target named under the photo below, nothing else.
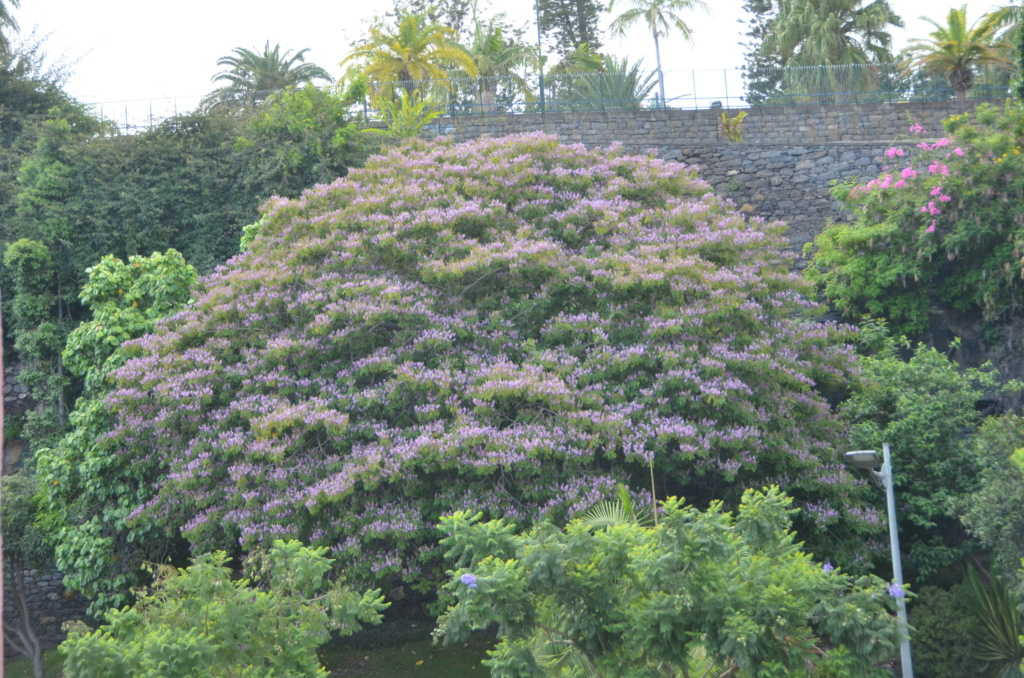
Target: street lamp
(868, 459)
(540, 55)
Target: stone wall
(788, 125)
(787, 183)
(49, 606)
(783, 168)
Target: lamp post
(540, 55)
(868, 459)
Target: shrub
(942, 624)
(941, 224)
(508, 325)
(87, 492)
(926, 407)
(199, 622)
(630, 599)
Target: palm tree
(6, 20)
(414, 50)
(956, 50)
(619, 85)
(833, 32)
(252, 76)
(497, 57)
(660, 16)
(826, 45)
(563, 76)
(1005, 19)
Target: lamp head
(863, 459)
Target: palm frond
(996, 636)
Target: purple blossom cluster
(509, 325)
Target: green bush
(943, 224)
(613, 596)
(199, 622)
(941, 622)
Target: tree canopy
(508, 325)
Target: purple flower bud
(469, 580)
(895, 591)
(827, 566)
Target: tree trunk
(661, 74)
(62, 407)
(22, 636)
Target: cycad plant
(996, 636)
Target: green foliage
(997, 629)
(956, 49)
(406, 115)
(943, 226)
(88, 489)
(39, 323)
(302, 137)
(251, 76)
(1018, 81)
(125, 299)
(24, 547)
(925, 407)
(993, 513)
(42, 273)
(571, 23)
(730, 127)
(181, 185)
(942, 624)
(629, 599)
(199, 622)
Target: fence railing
(629, 90)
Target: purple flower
(469, 580)
(827, 566)
(895, 591)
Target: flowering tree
(942, 222)
(510, 326)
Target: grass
(22, 666)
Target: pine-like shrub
(510, 325)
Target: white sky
(136, 51)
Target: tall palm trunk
(661, 75)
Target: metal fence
(627, 90)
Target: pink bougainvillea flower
(931, 229)
(900, 184)
(936, 190)
(908, 173)
(958, 151)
